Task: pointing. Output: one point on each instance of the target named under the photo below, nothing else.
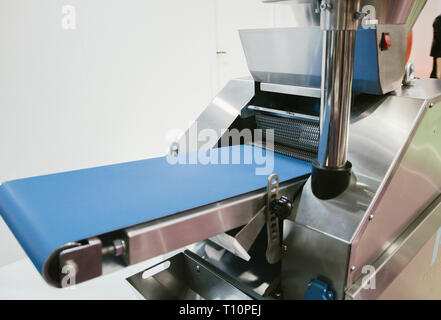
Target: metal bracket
(80, 263)
(273, 251)
(240, 243)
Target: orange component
(409, 45)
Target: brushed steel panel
(374, 144)
(413, 181)
(270, 52)
(377, 138)
(410, 267)
(165, 235)
(221, 112)
(311, 253)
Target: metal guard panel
(47, 212)
(375, 71)
(412, 183)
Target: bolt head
(371, 217)
(119, 246)
(174, 148)
(353, 268)
(325, 5)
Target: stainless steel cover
(293, 56)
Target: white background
(110, 90)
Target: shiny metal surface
(392, 62)
(241, 242)
(318, 236)
(375, 71)
(294, 65)
(257, 274)
(409, 267)
(285, 114)
(411, 183)
(221, 112)
(339, 217)
(339, 15)
(377, 137)
(425, 89)
(165, 235)
(409, 74)
(311, 253)
(293, 90)
(189, 277)
(336, 97)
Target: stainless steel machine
(364, 224)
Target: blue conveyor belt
(47, 212)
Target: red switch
(386, 42)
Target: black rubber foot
(330, 183)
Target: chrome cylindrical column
(339, 22)
(336, 95)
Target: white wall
(86, 97)
(104, 93)
(422, 39)
(233, 15)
